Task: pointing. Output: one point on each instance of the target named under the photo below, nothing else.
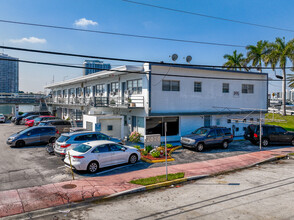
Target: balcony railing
(119, 102)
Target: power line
(122, 34)
(137, 72)
(123, 59)
(209, 16)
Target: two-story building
(143, 98)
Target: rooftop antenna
(174, 57)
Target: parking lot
(32, 165)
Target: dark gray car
(32, 136)
(63, 126)
(207, 136)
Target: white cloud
(83, 22)
(32, 40)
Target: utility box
(152, 139)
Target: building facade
(131, 98)
(93, 66)
(9, 74)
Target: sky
(124, 17)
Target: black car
(207, 136)
(271, 134)
(18, 119)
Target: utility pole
(166, 171)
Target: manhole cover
(69, 186)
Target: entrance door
(108, 91)
(134, 122)
(207, 120)
(123, 88)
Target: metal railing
(120, 102)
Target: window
(237, 128)
(114, 87)
(89, 137)
(102, 137)
(99, 89)
(114, 147)
(247, 88)
(229, 121)
(226, 87)
(244, 120)
(72, 92)
(280, 130)
(83, 148)
(101, 149)
(79, 91)
(135, 86)
(197, 86)
(65, 92)
(140, 122)
(88, 90)
(170, 85)
(218, 121)
(211, 134)
(155, 125)
(219, 132)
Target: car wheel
(93, 167)
(265, 142)
(133, 159)
(20, 144)
(200, 147)
(292, 142)
(52, 140)
(225, 144)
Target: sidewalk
(14, 202)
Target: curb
(161, 160)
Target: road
(261, 192)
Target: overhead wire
(137, 72)
(123, 59)
(209, 16)
(121, 34)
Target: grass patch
(158, 179)
(287, 123)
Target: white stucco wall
(186, 100)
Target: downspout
(149, 91)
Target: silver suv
(68, 141)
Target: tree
(290, 79)
(279, 53)
(256, 54)
(235, 61)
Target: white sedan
(97, 154)
(2, 118)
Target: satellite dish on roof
(188, 59)
(174, 57)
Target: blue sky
(120, 16)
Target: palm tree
(257, 53)
(235, 61)
(279, 53)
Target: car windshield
(63, 138)
(82, 148)
(43, 124)
(201, 131)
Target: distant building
(97, 64)
(9, 75)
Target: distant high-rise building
(9, 74)
(97, 64)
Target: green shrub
(169, 145)
(155, 153)
(144, 152)
(137, 146)
(148, 148)
(20, 113)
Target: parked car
(33, 135)
(2, 118)
(208, 136)
(68, 141)
(63, 126)
(18, 120)
(93, 155)
(271, 134)
(43, 118)
(31, 117)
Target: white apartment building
(132, 98)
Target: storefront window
(155, 125)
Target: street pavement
(26, 200)
(258, 193)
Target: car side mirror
(123, 149)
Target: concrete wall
(186, 100)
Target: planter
(132, 104)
